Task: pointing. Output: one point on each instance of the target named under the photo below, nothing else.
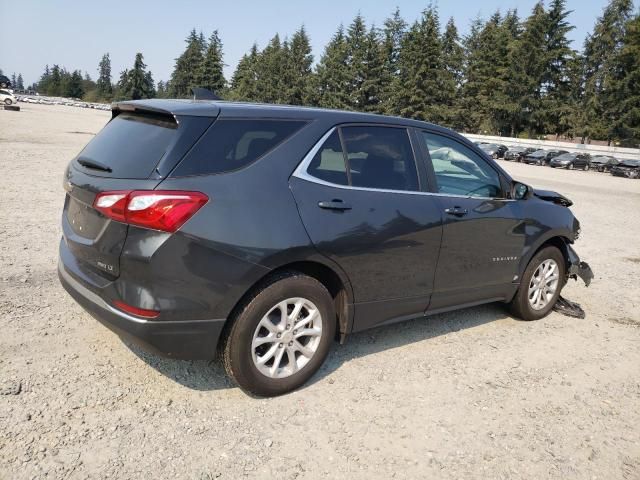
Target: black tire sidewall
(238, 347)
(522, 308)
(7, 101)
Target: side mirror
(520, 191)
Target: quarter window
(233, 144)
(459, 170)
(328, 163)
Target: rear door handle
(334, 204)
(456, 211)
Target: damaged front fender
(578, 268)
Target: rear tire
(523, 306)
(247, 343)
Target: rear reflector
(140, 312)
(165, 210)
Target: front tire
(586, 167)
(540, 285)
(280, 336)
(7, 101)
(570, 166)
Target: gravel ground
(470, 394)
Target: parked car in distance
(494, 150)
(603, 163)
(7, 98)
(571, 161)
(264, 232)
(626, 168)
(517, 153)
(5, 82)
(542, 157)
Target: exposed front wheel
(7, 101)
(540, 285)
(281, 336)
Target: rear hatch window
(235, 143)
(129, 146)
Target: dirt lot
(472, 394)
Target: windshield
(539, 153)
(565, 156)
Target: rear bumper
(188, 339)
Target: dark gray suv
(264, 232)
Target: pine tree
(331, 76)
(160, 90)
(245, 78)
(103, 84)
(453, 62)
(19, 82)
(527, 65)
(54, 85)
(419, 88)
(394, 31)
(269, 68)
(137, 83)
(297, 73)
(73, 86)
(14, 81)
(626, 87)
(213, 65)
(187, 72)
(601, 50)
(556, 83)
(356, 68)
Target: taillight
(165, 210)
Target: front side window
(459, 170)
(376, 157)
(235, 143)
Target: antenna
(204, 94)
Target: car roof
(211, 108)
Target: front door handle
(335, 204)
(456, 211)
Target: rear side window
(380, 157)
(131, 145)
(232, 144)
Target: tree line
(508, 76)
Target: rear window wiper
(93, 165)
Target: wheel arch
(336, 283)
(558, 240)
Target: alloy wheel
(543, 284)
(286, 338)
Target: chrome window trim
(301, 173)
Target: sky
(75, 34)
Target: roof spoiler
(204, 94)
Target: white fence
(618, 152)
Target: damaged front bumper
(578, 268)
